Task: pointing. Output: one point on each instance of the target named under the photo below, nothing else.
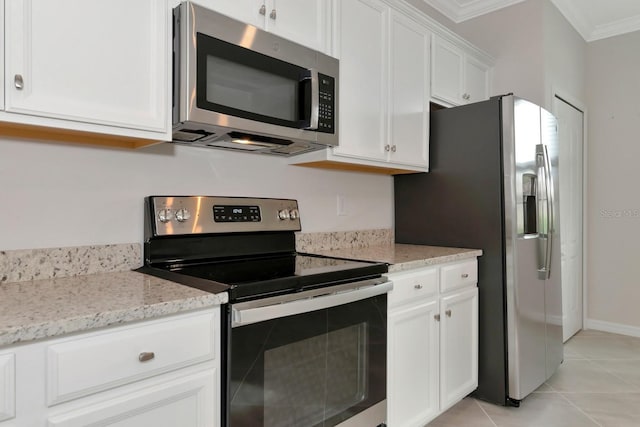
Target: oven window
(297, 389)
(312, 369)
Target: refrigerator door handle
(550, 208)
(542, 154)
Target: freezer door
(526, 225)
(553, 284)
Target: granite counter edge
(25, 334)
(426, 262)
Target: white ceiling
(593, 19)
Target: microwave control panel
(327, 86)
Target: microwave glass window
(251, 89)
(297, 390)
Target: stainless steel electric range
(304, 336)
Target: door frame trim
(576, 103)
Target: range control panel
(176, 215)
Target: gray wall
(56, 195)
(613, 81)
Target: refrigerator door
(526, 225)
(553, 284)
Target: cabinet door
(1, 54)
(363, 52)
(248, 11)
(447, 71)
(303, 21)
(458, 346)
(101, 62)
(186, 402)
(412, 372)
(409, 103)
(7, 386)
(476, 80)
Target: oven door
(319, 360)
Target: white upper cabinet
(458, 76)
(384, 95)
(363, 79)
(384, 88)
(302, 21)
(98, 66)
(409, 92)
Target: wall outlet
(341, 204)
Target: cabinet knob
(418, 286)
(437, 317)
(273, 15)
(393, 148)
(146, 356)
(263, 10)
(465, 275)
(387, 147)
(466, 97)
(448, 313)
(18, 81)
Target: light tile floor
(597, 385)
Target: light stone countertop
(402, 257)
(48, 308)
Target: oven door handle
(305, 302)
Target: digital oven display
(236, 213)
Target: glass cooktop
(271, 275)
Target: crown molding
(462, 10)
(623, 26)
(590, 31)
(457, 12)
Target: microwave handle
(315, 99)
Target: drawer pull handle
(465, 275)
(437, 317)
(18, 81)
(418, 286)
(448, 313)
(146, 356)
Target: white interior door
(571, 137)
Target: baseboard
(615, 328)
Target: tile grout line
(580, 410)
(485, 412)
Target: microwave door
(238, 82)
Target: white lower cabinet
(7, 386)
(185, 401)
(413, 359)
(458, 346)
(432, 342)
(157, 373)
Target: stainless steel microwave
(239, 87)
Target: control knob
(294, 214)
(183, 215)
(165, 215)
(284, 214)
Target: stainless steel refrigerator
(493, 185)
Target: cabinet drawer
(408, 287)
(77, 367)
(459, 275)
(7, 386)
